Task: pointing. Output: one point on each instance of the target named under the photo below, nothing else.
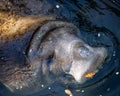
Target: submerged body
(38, 50)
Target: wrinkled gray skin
(51, 52)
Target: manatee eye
(84, 52)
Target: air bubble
(99, 34)
(83, 91)
(57, 6)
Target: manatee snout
(62, 51)
(66, 52)
(85, 60)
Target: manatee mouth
(86, 74)
(71, 79)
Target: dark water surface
(99, 22)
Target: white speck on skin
(57, 6)
(37, 38)
(21, 87)
(117, 73)
(99, 34)
(30, 50)
(42, 85)
(49, 88)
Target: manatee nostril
(84, 51)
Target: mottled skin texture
(37, 49)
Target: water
(99, 22)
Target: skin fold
(37, 50)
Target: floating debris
(68, 92)
(49, 88)
(99, 34)
(89, 75)
(117, 73)
(114, 53)
(83, 91)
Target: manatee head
(62, 53)
(76, 59)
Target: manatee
(37, 50)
